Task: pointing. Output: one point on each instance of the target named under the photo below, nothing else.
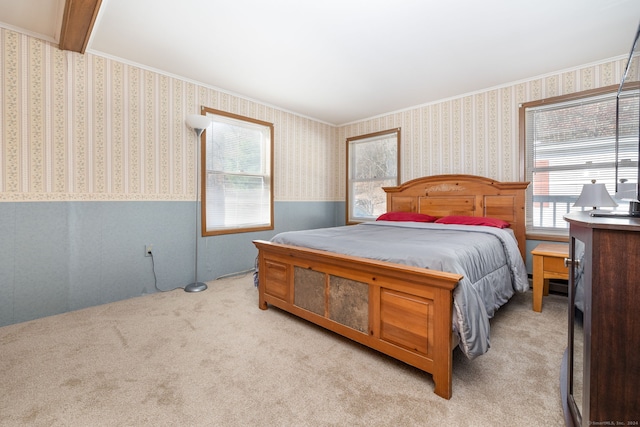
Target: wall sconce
(595, 195)
(198, 123)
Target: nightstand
(548, 263)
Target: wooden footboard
(402, 311)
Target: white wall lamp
(595, 195)
(198, 123)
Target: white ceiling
(339, 61)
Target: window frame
(554, 234)
(214, 231)
(352, 219)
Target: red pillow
(473, 220)
(406, 216)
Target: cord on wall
(250, 270)
(155, 278)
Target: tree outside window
(373, 162)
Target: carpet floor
(214, 359)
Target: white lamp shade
(595, 195)
(198, 122)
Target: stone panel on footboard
(349, 303)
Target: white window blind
(568, 144)
(237, 175)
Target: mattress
(487, 257)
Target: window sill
(549, 237)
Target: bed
(399, 299)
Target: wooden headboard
(469, 195)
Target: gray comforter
(487, 257)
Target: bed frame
(402, 311)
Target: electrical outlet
(147, 249)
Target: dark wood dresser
(600, 381)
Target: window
(569, 141)
(237, 168)
(373, 162)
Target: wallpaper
(85, 127)
(478, 133)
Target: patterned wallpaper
(84, 127)
(478, 133)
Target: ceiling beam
(77, 23)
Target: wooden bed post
(443, 348)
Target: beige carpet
(215, 359)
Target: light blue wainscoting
(61, 256)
